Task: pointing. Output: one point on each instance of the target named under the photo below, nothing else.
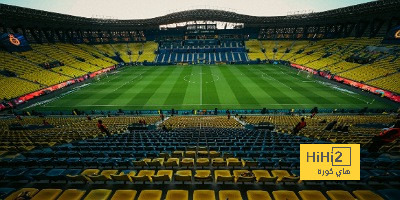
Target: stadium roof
(18, 16)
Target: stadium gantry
(134, 109)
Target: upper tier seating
(77, 60)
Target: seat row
(202, 175)
(104, 194)
(152, 176)
(139, 163)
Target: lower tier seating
(176, 194)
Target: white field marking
(284, 72)
(353, 96)
(133, 79)
(275, 79)
(148, 105)
(115, 77)
(331, 88)
(263, 76)
(185, 78)
(80, 87)
(62, 95)
(130, 81)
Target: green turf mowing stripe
(210, 94)
(227, 96)
(268, 86)
(261, 95)
(108, 87)
(271, 90)
(193, 88)
(153, 84)
(303, 90)
(162, 93)
(320, 91)
(112, 97)
(178, 91)
(241, 93)
(357, 99)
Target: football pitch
(208, 87)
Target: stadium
(204, 103)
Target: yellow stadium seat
(202, 153)
(223, 176)
(98, 194)
(144, 175)
(249, 163)
(105, 175)
(284, 176)
(47, 194)
(190, 154)
(312, 195)
(284, 195)
(230, 194)
(172, 162)
(218, 162)
(203, 175)
(204, 195)
(177, 195)
(339, 195)
(183, 175)
(202, 162)
(150, 195)
(72, 194)
(123, 177)
(214, 154)
(258, 195)
(163, 175)
(31, 193)
(187, 162)
(233, 162)
(263, 176)
(124, 195)
(240, 178)
(366, 195)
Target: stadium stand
(31, 68)
(192, 154)
(10, 87)
(208, 155)
(199, 51)
(148, 52)
(254, 50)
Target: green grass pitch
(208, 87)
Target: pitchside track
(209, 87)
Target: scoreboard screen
(14, 42)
